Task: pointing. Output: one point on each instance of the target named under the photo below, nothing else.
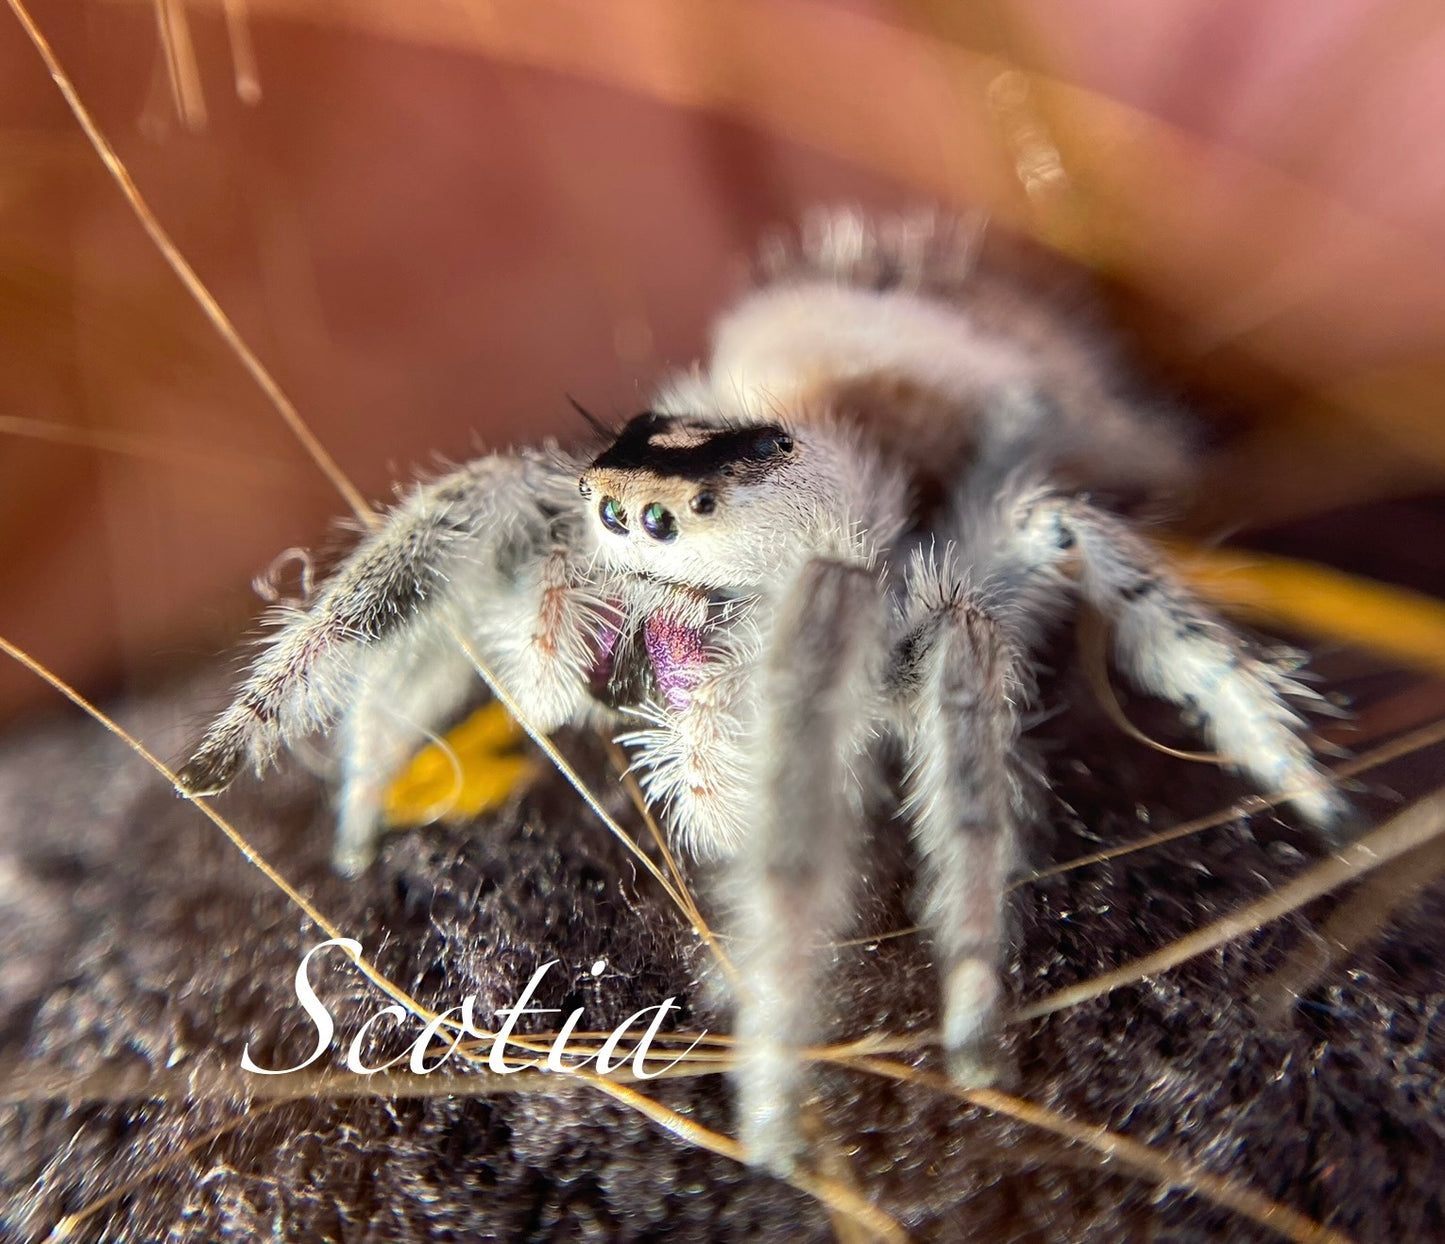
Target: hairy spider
(750, 584)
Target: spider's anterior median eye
(659, 523)
(612, 516)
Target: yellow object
(474, 768)
(1392, 622)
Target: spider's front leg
(491, 554)
(958, 679)
(794, 874)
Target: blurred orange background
(436, 221)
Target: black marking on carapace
(747, 450)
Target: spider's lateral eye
(659, 522)
(703, 503)
(584, 487)
(612, 515)
(784, 442)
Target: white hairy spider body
(743, 587)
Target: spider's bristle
(591, 420)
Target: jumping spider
(750, 588)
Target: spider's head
(708, 504)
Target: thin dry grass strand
(634, 792)
(234, 835)
(244, 66)
(1166, 1170)
(1247, 806)
(835, 1196)
(1405, 745)
(1356, 922)
(187, 275)
(110, 1085)
(66, 1227)
(1396, 749)
(237, 839)
(1092, 635)
(364, 512)
(564, 767)
(831, 1162)
(174, 28)
(839, 1198)
(1418, 824)
(699, 925)
(276, 472)
(383, 1084)
(869, 940)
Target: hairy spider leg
(794, 882)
